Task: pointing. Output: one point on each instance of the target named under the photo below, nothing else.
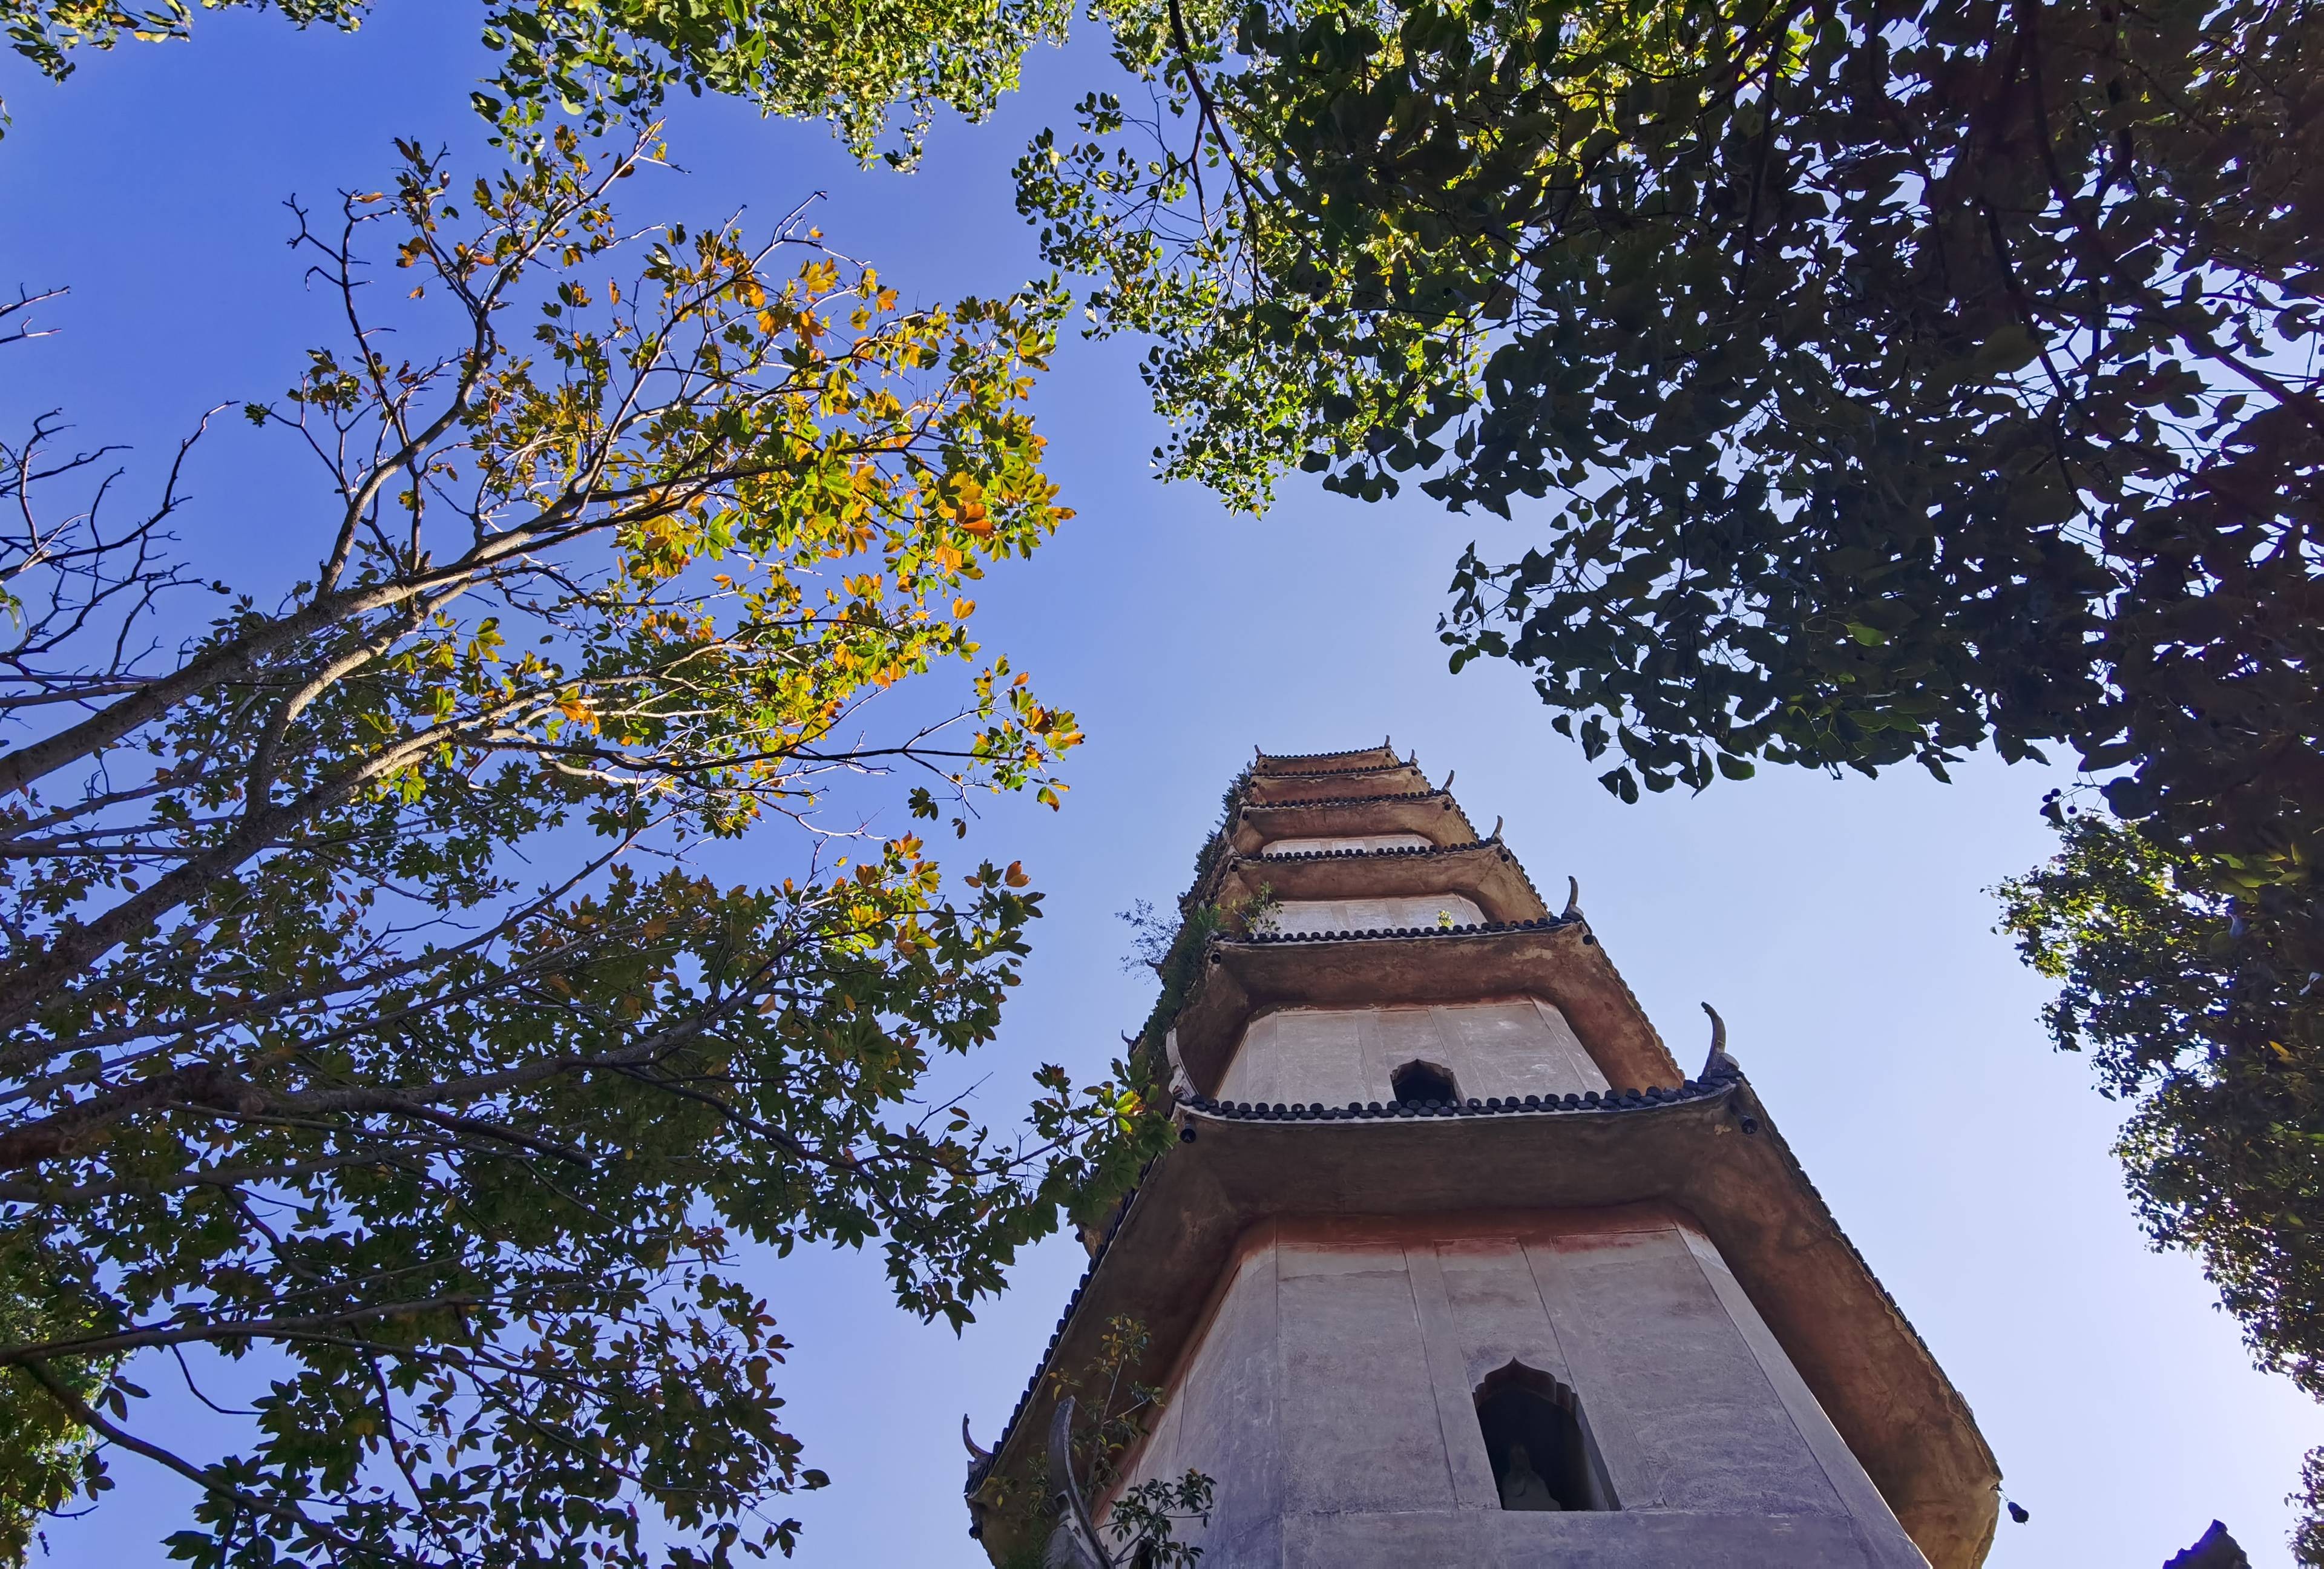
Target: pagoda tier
(1440, 1178)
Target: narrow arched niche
(1541, 1451)
(1424, 1081)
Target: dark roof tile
(1379, 850)
(1348, 801)
(1471, 928)
(1388, 744)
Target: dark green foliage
(1144, 1521)
(45, 1456)
(2224, 1143)
(1901, 375)
(2308, 1541)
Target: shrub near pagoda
(370, 1015)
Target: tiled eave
(1705, 1147)
(1484, 871)
(1433, 815)
(1395, 778)
(1555, 960)
(1379, 756)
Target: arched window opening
(1542, 1455)
(1423, 1081)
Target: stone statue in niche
(1521, 1485)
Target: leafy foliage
(2228, 1112)
(2308, 1540)
(1144, 1519)
(853, 65)
(369, 1021)
(2221, 1145)
(45, 1456)
(1154, 938)
(1113, 1412)
(1903, 376)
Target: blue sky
(1841, 926)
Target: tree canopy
(2225, 1115)
(876, 72)
(368, 1017)
(1900, 376)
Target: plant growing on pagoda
(379, 1047)
(1111, 1414)
(1173, 950)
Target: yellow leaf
(1015, 876)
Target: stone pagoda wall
(1330, 1396)
(1512, 1047)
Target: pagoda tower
(1453, 1265)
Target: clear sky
(1841, 926)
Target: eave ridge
(1592, 1101)
(1473, 846)
(1032, 1385)
(1490, 842)
(1397, 767)
(1388, 744)
(1251, 806)
(1467, 929)
(1718, 1079)
(1823, 1212)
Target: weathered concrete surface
(1562, 965)
(1716, 1161)
(1515, 1048)
(1331, 1392)
(1375, 913)
(1485, 872)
